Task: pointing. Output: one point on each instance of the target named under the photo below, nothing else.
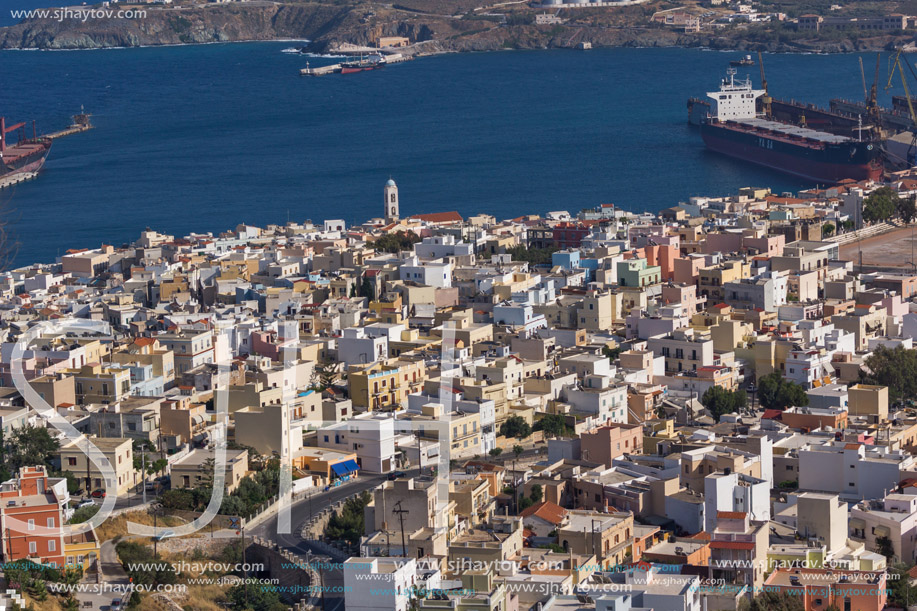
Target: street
(302, 511)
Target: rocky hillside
(329, 23)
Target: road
(302, 511)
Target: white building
(357, 347)
(852, 471)
(371, 436)
(374, 583)
(735, 492)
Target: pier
(17, 178)
(81, 123)
(320, 71)
(73, 129)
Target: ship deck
(24, 149)
(793, 131)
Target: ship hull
(829, 164)
(25, 158)
(352, 69)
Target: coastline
(324, 27)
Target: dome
(390, 183)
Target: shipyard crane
(896, 65)
(863, 76)
(873, 112)
(765, 99)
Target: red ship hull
(351, 70)
(812, 169)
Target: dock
(81, 123)
(17, 178)
(73, 129)
(393, 58)
(320, 71)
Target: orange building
(31, 519)
(605, 443)
(822, 589)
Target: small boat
(745, 61)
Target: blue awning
(344, 468)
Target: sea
(204, 137)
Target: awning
(344, 468)
(857, 523)
(881, 531)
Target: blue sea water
(201, 138)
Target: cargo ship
(362, 65)
(734, 127)
(28, 155)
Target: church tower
(391, 201)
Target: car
(116, 605)
(85, 503)
(164, 535)
(98, 493)
(151, 486)
(396, 475)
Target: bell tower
(391, 200)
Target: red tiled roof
(547, 511)
(731, 515)
(772, 414)
(440, 217)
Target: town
(706, 408)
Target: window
(33, 547)
(71, 461)
(31, 524)
(52, 545)
(50, 522)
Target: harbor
(361, 65)
(81, 123)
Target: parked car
(152, 486)
(85, 503)
(98, 493)
(116, 605)
(396, 475)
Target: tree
(348, 524)
(325, 374)
(880, 205)
(884, 546)
(515, 426)
(554, 425)
(254, 597)
(773, 601)
(776, 392)
(827, 230)
(907, 208)
(532, 256)
(900, 591)
(29, 446)
(495, 452)
(612, 353)
(367, 289)
(396, 242)
(895, 368)
(537, 494)
(721, 401)
(517, 450)
(84, 514)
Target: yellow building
(382, 386)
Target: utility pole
(143, 471)
(401, 513)
(155, 536)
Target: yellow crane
(897, 65)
